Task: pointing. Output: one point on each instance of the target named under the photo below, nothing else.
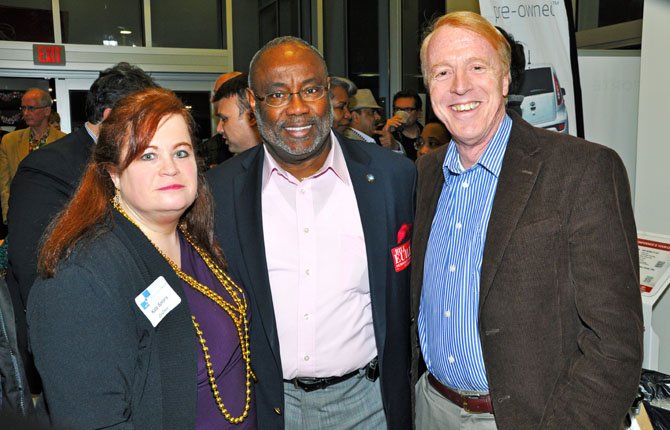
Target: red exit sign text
(49, 55)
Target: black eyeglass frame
(32, 108)
(286, 96)
(406, 109)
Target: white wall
(610, 81)
(652, 185)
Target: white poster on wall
(542, 27)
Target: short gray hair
(346, 84)
(45, 97)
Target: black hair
(236, 86)
(517, 65)
(418, 104)
(113, 84)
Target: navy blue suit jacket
(384, 186)
(44, 183)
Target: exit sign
(49, 55)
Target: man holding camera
(402, 130)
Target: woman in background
(136, 324)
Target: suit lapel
(369, 187)
(520, 169)
(248, 213)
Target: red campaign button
(402, 256)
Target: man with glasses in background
(36, 108)
(317, 228)
(402, 131)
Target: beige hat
(363, 99)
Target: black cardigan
(101, 361)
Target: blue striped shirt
(450, 294)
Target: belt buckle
(466, 406)
(308, 384)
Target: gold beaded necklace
(236, 311)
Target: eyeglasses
(407, 109)
(282, 98)
(32, 108)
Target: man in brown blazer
(525, 273)
(36, 108)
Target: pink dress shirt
(318, 270)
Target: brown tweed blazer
(14, 148)
(560, 316)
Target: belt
(313, 384)
(472, 404)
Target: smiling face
(299, 130)
(467, 85)
(157, 188)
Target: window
(102, 22)
(363, 44)
(179, 24)
(26, 20)
(416, 16)
(612, 24)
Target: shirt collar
(362, 135)
(90, 132)
(490, 160)
(335, 163)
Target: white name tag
(157, 300)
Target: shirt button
(302, 191)
(306, 316)
(447, 314)
(451, 359)
(306, 229)
(458, 226)
(452, 268)
(465, 184)
(307, 272)
(306, 358)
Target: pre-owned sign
(49, 55)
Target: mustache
(301, 122)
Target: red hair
(124, 135)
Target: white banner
(541, 26)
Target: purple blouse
(221, 338)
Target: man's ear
(507, 78)
(251, 99)
(251, 117)
(105, 113)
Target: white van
(543, 103)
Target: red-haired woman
(136, 323)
